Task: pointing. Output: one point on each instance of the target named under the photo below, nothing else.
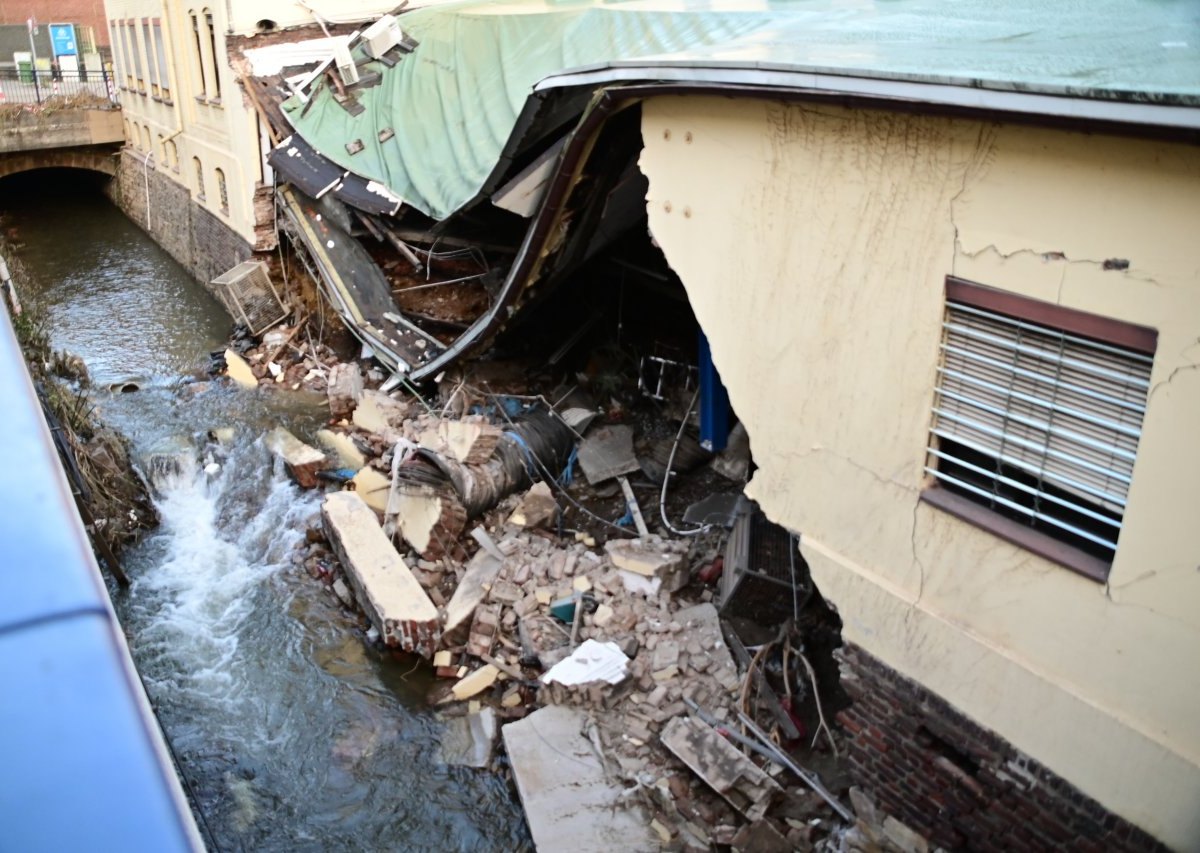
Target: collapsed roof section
(499, 116)
(455, 102)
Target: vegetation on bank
(112, 500)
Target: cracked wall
(813, 242)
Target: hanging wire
(662, 498)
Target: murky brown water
(291, 732)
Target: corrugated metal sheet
(454, 102)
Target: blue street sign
(62, 39)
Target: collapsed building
(942, 261)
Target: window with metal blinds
(1037, 423)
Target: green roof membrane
(454, 101)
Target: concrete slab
(719, 763)
(470, 741)
(386, 589)
(302, 462)
(469, 593)
(607, 452)
(570, 804)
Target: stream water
(291, 732)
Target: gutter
(1167, 111)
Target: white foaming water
(222, 535)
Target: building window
(223, 192)
(146, 142)
(1037, 415)
(199, 167)
(126, 56)
(214, 91)
(136, 53)
(160, 57)
(151, 59)
(171, 154)
(197, 54)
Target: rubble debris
(650, 564)
(239, 371)
(373, 488)
(470, 441)
(763, 690)
(474, 684)
(392, 598)
(592, 661)
(379, 414)
(429, 518)
(715, 509)
(484, 628)
(569, 801)
(343, 592)
(726, 770)
(344, 390)
(343, 448)
(471, 590)
(631, 507)
(537, 508)
(302, 461)
(607, 452)
(470, 741)
(733, 463)
(578, 419)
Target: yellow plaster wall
(813, 242)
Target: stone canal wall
(958, 783)
(197, 239)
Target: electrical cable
(662, 499)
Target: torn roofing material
(454, 102)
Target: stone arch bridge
(73, 138)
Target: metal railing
(26, 86)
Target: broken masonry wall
(813, 242)
(989, 796)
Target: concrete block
(392, 598)
(345, 389)
(302, 462)
(239, 371)
(469, 593)
(537, 508)
(570, 804)
(651, 557)
(343, 449)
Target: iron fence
(26, 86)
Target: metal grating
(765, 579)
(249, 296)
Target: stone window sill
(1016, 533)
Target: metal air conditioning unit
(382, 36)
(347, 70)
(249, 296)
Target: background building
(193, 173)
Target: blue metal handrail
(85, 765)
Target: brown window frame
(1104, 329)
